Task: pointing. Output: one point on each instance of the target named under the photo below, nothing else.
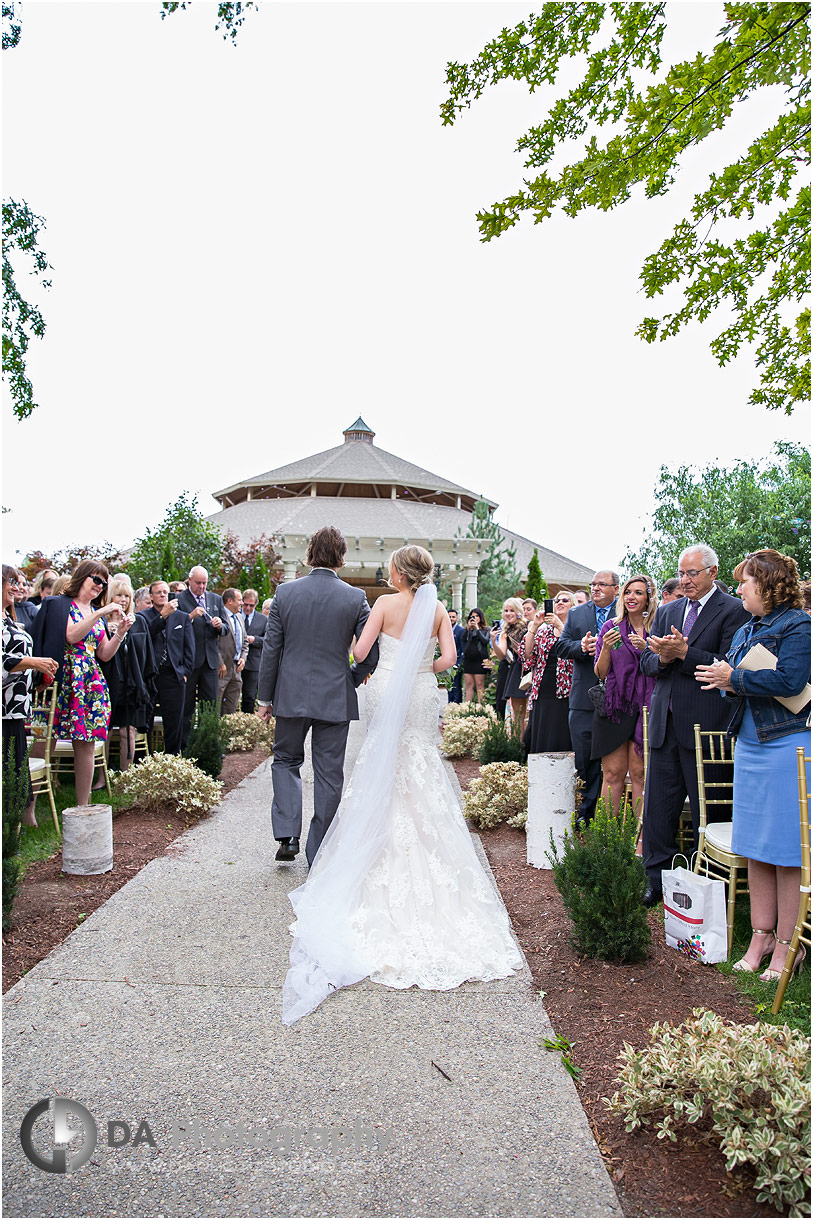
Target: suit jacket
(207, 651)
(259, 622)
(305, 666)
(180, 638)
(48, 631)
(228, 646)
(709, 638)
(579, 621)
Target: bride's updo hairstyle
(416, 564)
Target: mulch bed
(50, 903)
(598, 1007)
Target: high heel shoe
(742, 965)
(772, 976)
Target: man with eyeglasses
(206, 612)
(692, 631)
(578, 644)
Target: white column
(551, 801)
(470, 575)
(290, 569)
(457, 594)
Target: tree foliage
(22, 321)
(763, 270)
(230, 16)
(65, 560)
(535, 584)
(735, 510)
(255, 566)
(183, 537)
(498, 576)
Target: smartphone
(548, 605)
(496, 624)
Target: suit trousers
(328, 745)
(580, 723)
(671, 776)
(250, 677)
(202, 684)
(171, 700)
(230, 688)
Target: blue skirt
(766, 796)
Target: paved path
(164, 1007)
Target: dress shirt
(701, 601)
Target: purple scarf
(627, 690)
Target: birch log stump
(551, 801)
(87, 839)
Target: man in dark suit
(255, 624)
(578, 644)
(206, 612)
(173, 641)
(456, 689)
(691, 631)
(305, 674)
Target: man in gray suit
(305, 673)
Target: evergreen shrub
(502, 744)
(205, 746)
(15, 799)
(602, 884)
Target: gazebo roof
(355, 468)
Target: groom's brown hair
(327, 548)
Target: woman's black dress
(548, 731)
(474, 651)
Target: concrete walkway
(163, 1008)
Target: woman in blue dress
(766, 801)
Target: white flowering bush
(168, 779)
(452, 710)
(500, 792)
(751, 1081)
(241, 731)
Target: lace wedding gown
(421, 911)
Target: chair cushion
(36, 766)
(718, 834)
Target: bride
(396, 892)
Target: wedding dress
(396, 892)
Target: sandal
(742, 965)
(772, 976)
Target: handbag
(598, 698)
(694, 914)
(526, 681)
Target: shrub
(242, 731)
(467, 709)
(167, 779)
(15, 799)
(205, 745)
(499, 792)
(501, 744)
(602, 884)
(751, 1081)
(463, 735)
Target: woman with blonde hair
(396, 892)
(130, 674)
(618, 733)
(508, 643)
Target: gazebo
(380, 502)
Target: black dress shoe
(288, 849)
(653, 895)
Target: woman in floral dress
(83, 702)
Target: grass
(42, 842)
(795, 1010)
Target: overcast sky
(254, 244)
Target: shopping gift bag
(694, 914)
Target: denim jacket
(785, 633)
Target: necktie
(201, 601)
(238, 636)
(691, 617)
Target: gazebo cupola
(359, 431)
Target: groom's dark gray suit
(305, 674)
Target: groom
(305, 673)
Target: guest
(43, 585)
(18, 668)
(267, 606)
(58, 587)
(24, 608)
(547, 730)
(689, 632)
(766, 799)
(474, 650)
(580, 597)
(130, 675)
(670, 590)
(206, 612)
(173, 641)
(176, 587)
(508, 642)
(83, 702)
(529, 608)
(577, 643)
(233, 652)
(458, 631)
(255, 624)
(618, 736)
(141, 599)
